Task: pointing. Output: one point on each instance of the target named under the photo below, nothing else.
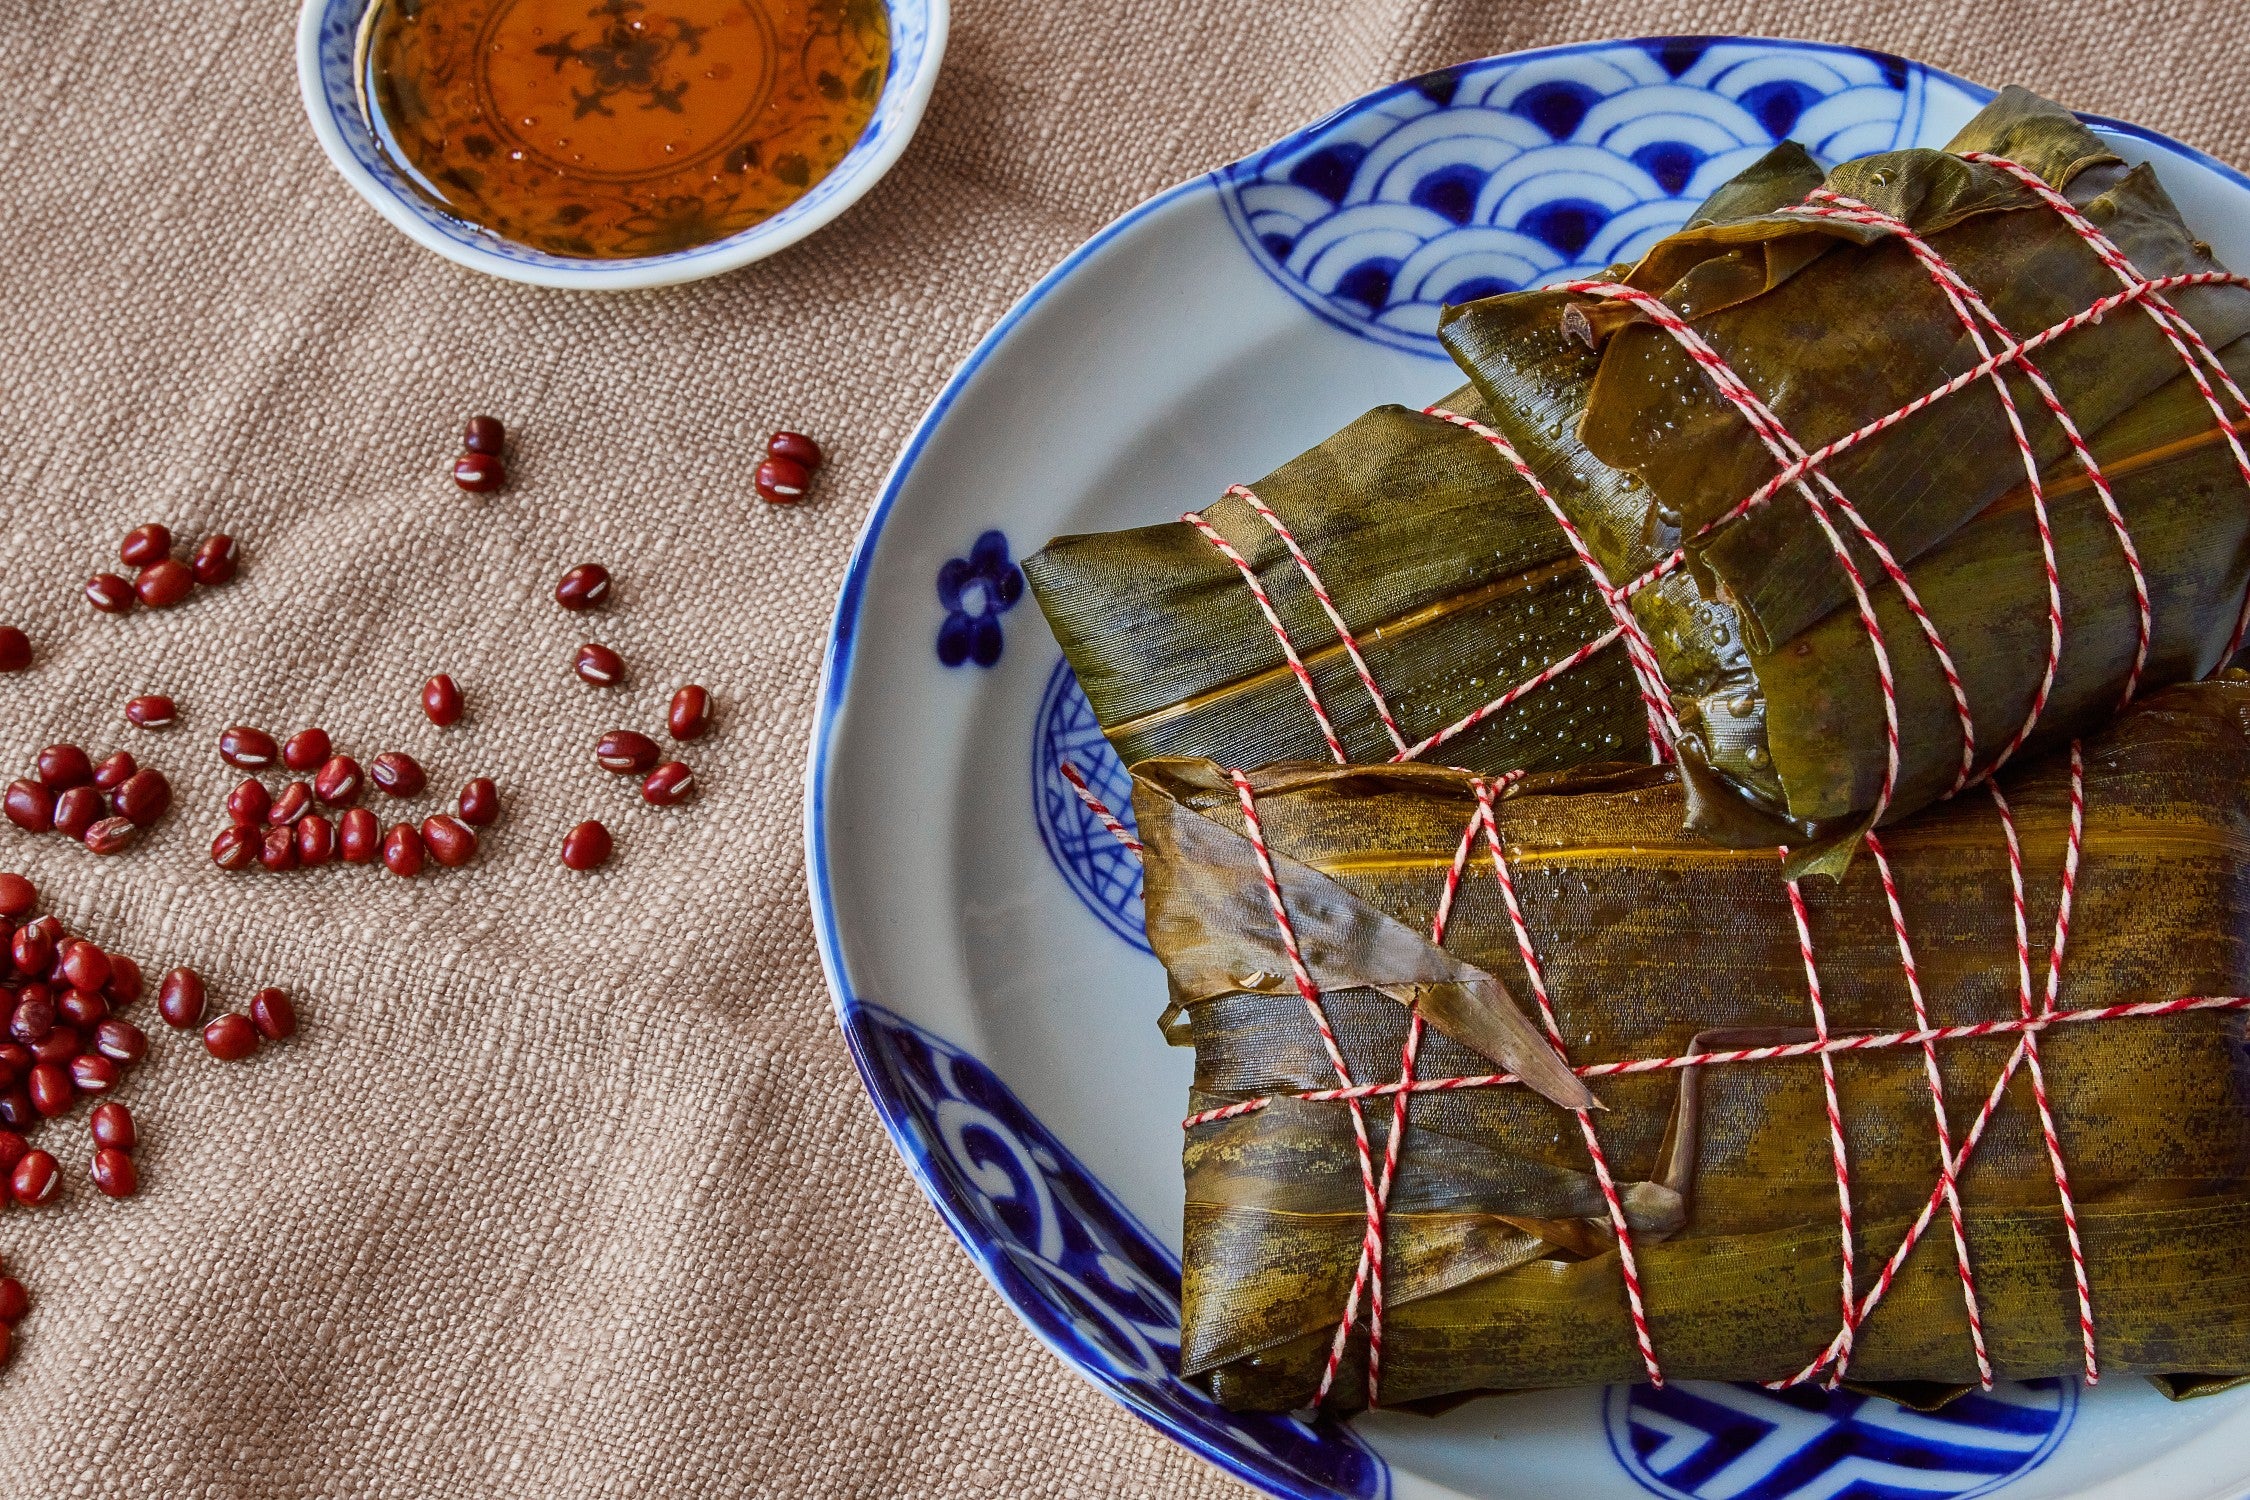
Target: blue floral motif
(1099, 871)
(976, 591)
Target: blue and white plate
(983, 935)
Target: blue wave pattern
(1496, 176)
(1741, 1442)
(1098, 869)
(1070, 1259)
(339, 88)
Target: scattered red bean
(124, 985)
(13, 1148)
(17, 896)
(358, 837)
(109, 593)
(15, 1302)
(110, 835)
(235, 847)
(782, 481)
(92, 1073)
(79, 809)
(583, 587)
(668, 784)
(626, 752)
(115, 771)
(295, 801)
(480, 802)
(231, 1037)
(586, 846)
(316, 840)
(161, 585)
(144, 545)
(84, 965)
(307, 750)
(338, 782)
(180, 998)
(34, 1178)
(112, 1125)
(145, 796)
(57, 1046)
(247, 748)
(15, 1066)
(52, 1092)
(599, 665)
(82, 1010)
(15, 1109)
(479, 473)
(277, 849)
(29, 806)
(248, 803)
(402, 850)
(114, 1173)
(34, 1016)
(441, 700)
(62, 767)
(690, 714)
(795, 447)
(15, 649)
(120, 1041)
(449, 840)
(150, 711)
(397, 773)
(215, 560)
(273, 1014)
(483, 435)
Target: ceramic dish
(982, 933)
(327, 76)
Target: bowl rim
(734, 251)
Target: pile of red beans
(102, 806)
(162, 580)
(288, 830)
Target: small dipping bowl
(328, 60)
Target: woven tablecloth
(568, 1185)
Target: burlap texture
(568, 1186)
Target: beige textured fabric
(568, 1187)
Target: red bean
(109, 593)
(92, 1073)
(114, 1174)
(115, 771)
(110, 835)
(277, 849)
(338, 782)
(583, 587)
(15, 649)
(49, 926)
(479, 473)
(57, 1046)
(690, 714)
(358, 837)
(316, 840)
(161, 585)
(273, 1014)
(33, 950)
(82, 1010)
(34, 1016)
(441, 700)
(120, 1041)
(79, 809)
(51, 1090)
(13, 1148)
(480, 802)
(626, 752)
(235, 847)
(586, 846)
(112, 1125)
(215, 559)
(247, 748)
(15, 1109)
(249, 803)
(62, 767)
(782, 481)
(124, 985)
(17, 896)
(231, 1037)
(483, 435)
(180, 998)
(397, 773)
(150, 711)
(15, 1302)
(295, 801)
(15, 1066)
(30, 806)
(599, 665)
(84, 965)
(795, 447)
(34, 1178)
(144, 797)
(668, 784)
(306, 750)
(449, 840)
(144, 545)
(402, 850)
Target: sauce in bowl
(612, 129)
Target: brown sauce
(619, 128)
